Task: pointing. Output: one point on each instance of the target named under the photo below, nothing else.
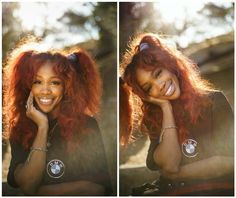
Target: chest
(199, 143)
(64, 165)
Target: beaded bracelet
(32, 149)
(163, 130)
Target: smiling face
(159, 83)
(47, 89)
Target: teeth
(45, 100)
(170, 90)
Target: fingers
(156, 101)
(150, 99)
(39, 118)
(29, 103)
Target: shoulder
(84, 126)
(91, 122)
(86, 120)
(217, 95)
(219, 99)
(220, 105)
(91, 133)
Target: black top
(86, 162)
(212, 135)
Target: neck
(54, 114)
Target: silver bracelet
(32, 149)
(163, 130)
(38, 149)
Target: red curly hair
(187, 108)
(81, 96)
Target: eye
(147, 89)
(56, 82)
(157, 73)
(36, 82)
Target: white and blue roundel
(55, 168)
(189, 148)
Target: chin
(45, 109)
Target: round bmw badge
(189, 148)
(55, 168)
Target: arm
(29, 175)
(221, 161)
(209, 168)
(72, 188)
(167, 155)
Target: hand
(160, 102)
(31, 112)
(167, 175)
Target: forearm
(29, 175)
(210, 168)
(72, 188)
(168, 155)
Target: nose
(45, 89)
(160, 84)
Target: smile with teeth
(170, 90)
(45, 101)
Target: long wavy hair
(187, 108)
(81, 97)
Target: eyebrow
(50, 77)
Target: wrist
(164, 130)
(43, 128)
(166, 106)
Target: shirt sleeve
(19, 156)
(223, 126)
(151, 164)
(102, 176)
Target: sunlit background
(192, 20)
(184, 22)
(68, 25)
(42, 16)
(202, 30)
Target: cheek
(34, 90)
(178, 91)
(59, 92)
(176, 80)
(154, 92)
(177, 84)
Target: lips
(170, 90)
(45, 101)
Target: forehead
(46, 69)
(143, 76)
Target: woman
(190, 124)
(56, 144)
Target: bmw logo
(189, 148)
(55, 168)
